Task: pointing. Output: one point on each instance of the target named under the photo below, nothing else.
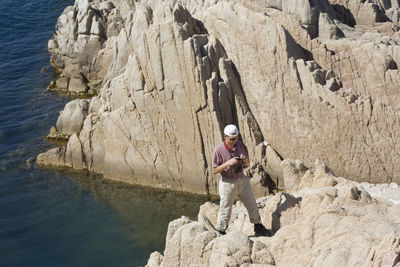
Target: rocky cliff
(330, 222)
(310, 79)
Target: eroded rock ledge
(330, 222)
(318, 79)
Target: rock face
(319, 101)
(155, 122)
(321, 225)
(314, 79)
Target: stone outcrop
(71, 119)
(81, 50)
(307, 80)
(155, 122)
(319, 225)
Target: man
(229, 158)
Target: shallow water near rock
(62, 217)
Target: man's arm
(221, 167)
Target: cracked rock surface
(318, 79)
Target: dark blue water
(52, 217)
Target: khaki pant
(229, 189)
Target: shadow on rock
(286, 201)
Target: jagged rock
(366, 12)
(327, 28)
(265, 170)
(296, 175)
(386, 254)
(307, 12)
(78, 41)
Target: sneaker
(260, 230)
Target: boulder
(189, 244)
(233, 249)
(71, 118)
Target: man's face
(231, 140)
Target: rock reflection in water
(145, 212)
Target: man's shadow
(286, 202)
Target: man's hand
(231, 162)
(245, 160)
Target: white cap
(231, 130)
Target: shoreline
(212, 198)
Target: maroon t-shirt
(223, 153)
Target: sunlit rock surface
(315, 79)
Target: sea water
(61, 217)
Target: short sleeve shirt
(221, 154)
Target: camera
(239, 166)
